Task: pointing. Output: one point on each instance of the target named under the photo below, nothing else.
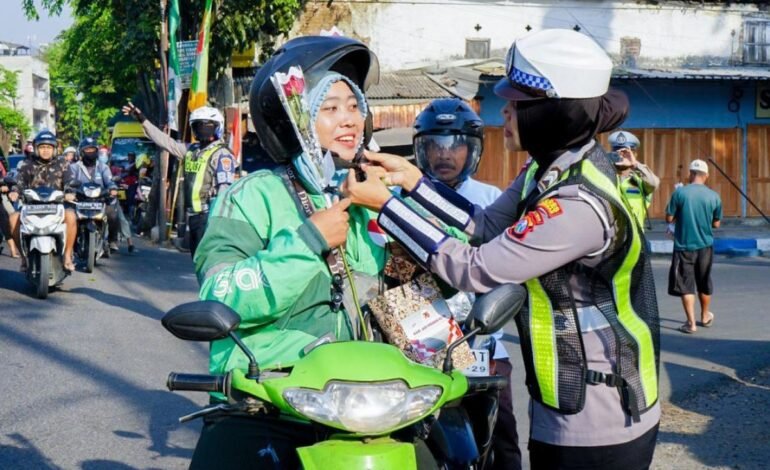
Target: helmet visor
(448, 158)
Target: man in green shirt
(695, 210)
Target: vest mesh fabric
(572, 366)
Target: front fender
(375, 454)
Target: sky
(14, 26)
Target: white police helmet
(555, 63)
(207, 113)
(623, 139)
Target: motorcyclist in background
(90, 170)
(69, 154)
(42, 169)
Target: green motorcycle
(362, 392)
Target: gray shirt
(573, 225)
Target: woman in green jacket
(269, 260)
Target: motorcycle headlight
(92, 192)
(367, 408)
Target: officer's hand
(69, 197)
(131, 110)
(13, 196)
(333, 223)
(629, 160)
(370, 193)
(400, 171)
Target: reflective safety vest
(638, 202)
(197, 177)
(622, 288)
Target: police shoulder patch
(520, 229)
(226, 163)
(549, 207)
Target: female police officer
(589, 334)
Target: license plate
(480, 368)
(41, 209)
(90, 206)
(121, 194)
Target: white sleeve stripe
(421, 225)
(449, 209)
(389, 225)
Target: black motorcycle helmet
(316, 55)
(44, 137)
(88, 150)
(444, 124)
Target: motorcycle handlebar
(482, 384)
(195, 382)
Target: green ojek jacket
(261, 256)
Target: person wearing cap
(637, 181)
(695, 210)
(590, 331)
(448, 142)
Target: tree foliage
(112, 49)
(13, 123)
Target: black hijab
(550, 127)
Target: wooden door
(668, 152)
(759, 169)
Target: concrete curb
(722, 246)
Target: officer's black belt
(627, 394)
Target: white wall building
(669, 34)
(34, 94)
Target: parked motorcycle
(91, 242)
(43, 233)
(371, 399)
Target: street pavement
(84, 371)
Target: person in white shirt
(448, 142)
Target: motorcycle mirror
(207, 320)
(494, 309)
(204, 320)
(489, 313)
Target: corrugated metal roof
(406, 85)
(706, 73)
(497, 69)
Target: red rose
(294, 86)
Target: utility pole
(163, 193)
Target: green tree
(112, 49)
(13, 124)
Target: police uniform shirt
(560, 230)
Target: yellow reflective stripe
(543, 343)
(528, 177)
(621, 283)
(200, 173)
(635, 202)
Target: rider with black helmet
(90, 170)
(448, 142)
(264, 257)
(42, 169)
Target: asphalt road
(84, 371)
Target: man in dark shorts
(695, 209)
